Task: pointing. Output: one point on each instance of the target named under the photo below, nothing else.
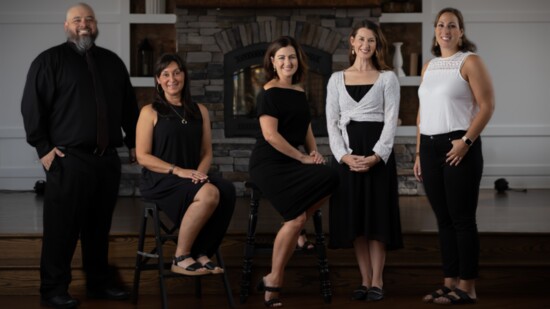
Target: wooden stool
(164, 233)
(251, 248)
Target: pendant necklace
(183, 121)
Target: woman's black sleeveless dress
(366, 204)
(180, 144)
(290, 186)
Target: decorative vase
(155, 6)
(398, 60)
(145, 58)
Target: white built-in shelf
(401, 18)
(142, 81)
(409, 81)
(153, 18)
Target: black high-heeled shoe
(308, 246)
(261, 287)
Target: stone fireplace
(223, 49)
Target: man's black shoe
(60, 301)
(108, 293)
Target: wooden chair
(252, 248)
(154, 259)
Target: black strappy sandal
(435, 294)
(213, 268)
(191, 270)
(274, 302)
(461, 298)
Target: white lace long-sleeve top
(381, 103)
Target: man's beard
(83, 43)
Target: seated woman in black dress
(295, 183)
(173, 144)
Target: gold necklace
(183, 121)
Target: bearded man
(77, 97)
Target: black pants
(453, 194)
(80, 197)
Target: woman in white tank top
(456, 103)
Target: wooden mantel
(278, 3)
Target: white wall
(512, 37)
(28, 27)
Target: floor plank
(490, 301)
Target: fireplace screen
(244, 82)
(248, 86)
(247, 90)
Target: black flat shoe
(108, 293)
(360, 293)
(375, 294)
(60, 301)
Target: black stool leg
(326, 288)
(160, 262)
(140, 253)
(250, 243)
(225, 279)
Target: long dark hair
(379, 57)
(279, 43)
(160, 104)
(466, 46)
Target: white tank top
(446, 100)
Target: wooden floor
(495, 301)
(514, 213)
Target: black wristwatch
(467, 140)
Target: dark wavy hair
(381, 53)
(279, 43)
(160, 104)
(466, 46)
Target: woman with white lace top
(456, 103)
(362, 110)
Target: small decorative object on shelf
(145, 58)
(398, 60)
(155, 6)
